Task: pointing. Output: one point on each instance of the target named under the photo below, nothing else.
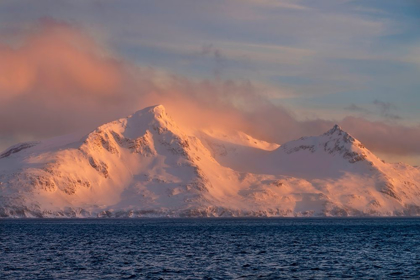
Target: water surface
(321, 248)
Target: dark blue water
(210, 249)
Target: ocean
(241, 248)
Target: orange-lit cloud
(59, 80)
(57, 57)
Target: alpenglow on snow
(145, 165)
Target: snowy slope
(145, 165)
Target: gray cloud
(386, 108)
(355, 108)
(219, 58)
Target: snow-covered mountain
(145, 165)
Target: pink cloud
(58, 80)
(57, 57)
(383, 137)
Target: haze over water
(374, 248)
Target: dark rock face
(17, 148)
(101, 167)
(389, 189)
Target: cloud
(384, 138)
(385, 109)
(55, 57)
(355, 108)
(59, 80)
(292, 5)
(261, 39)
(219, 58)
(384, 106)
(382, 109)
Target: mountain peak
(336, 129)
(335, 141)
(156, 112)
(338, 134)
(155, 109)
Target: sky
(279, 69)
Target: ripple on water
(210, 249)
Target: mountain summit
(336, 128)
(147, 165)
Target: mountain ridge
(146, 165)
